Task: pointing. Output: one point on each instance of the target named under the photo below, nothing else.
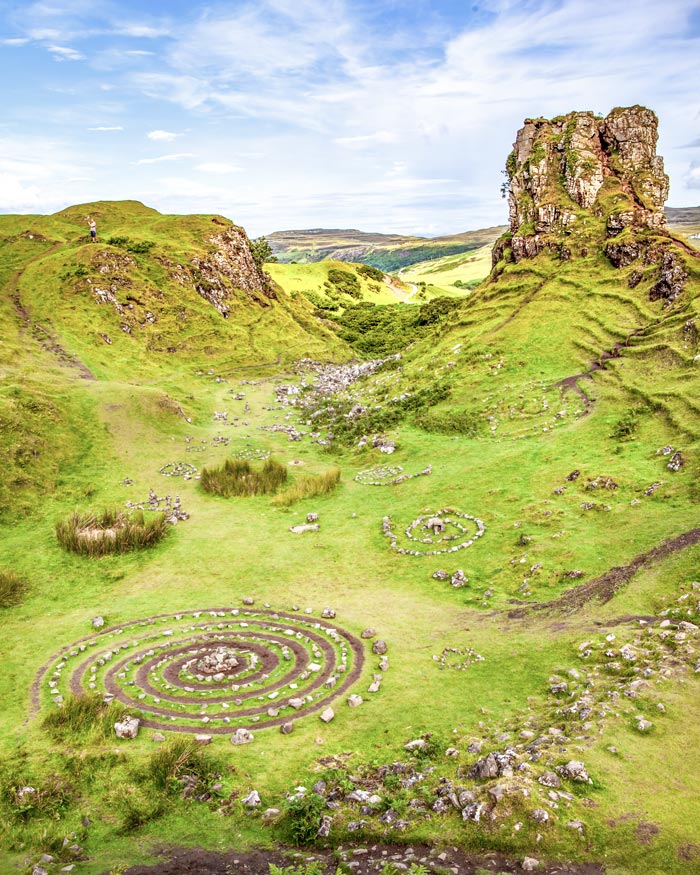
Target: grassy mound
(237, 477)
(114, 531)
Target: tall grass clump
(238, 477)
(12, 588)
(114, 531)
(308, 487)
(81, 715)
(173, 760)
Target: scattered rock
(287, 728)
(242, 736)
(354, 701)
(379, 647)
(252, 800)
(327, 715)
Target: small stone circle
(441, 529)
(250, 454)
(388, 475)
(178, 469)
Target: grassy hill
(388, 252)
(536, 410)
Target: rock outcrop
(229, 266)
(583, 170)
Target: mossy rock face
(580, 175)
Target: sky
(382, 115)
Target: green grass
(498, 448)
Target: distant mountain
(389, 252)
(682, 215)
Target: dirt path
(598, 365)
(603, 588)
(364, 860)
(43, 336)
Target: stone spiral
(210, 671)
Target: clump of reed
(85, 713)
(238, 477)
(308, 487)
(113, 531)
(12, 588)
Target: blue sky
(383, 115)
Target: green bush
(114, 531)
(371, 272)
(303, 817)
(346, 283)
(237, 477)
(12, 588)
(308, 487)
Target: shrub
(308, 487)
(345, 282)
(114, 531)
(12, 588)
(371, 272)
(626, 427)
(237, 477)
(82, 714)
(303, 816)
(138, 247)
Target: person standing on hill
(93, 228)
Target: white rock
(128, 728)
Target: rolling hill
(440, 607)
(388, 252)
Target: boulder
(242, 736)
(327, 715)
(127, 728)
(379, 647)
(287, 727)
(354, 700)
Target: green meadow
(88, 425)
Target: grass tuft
(81, 715)
(308, 487)
(238, 477)
(114, 531)
(12, 588)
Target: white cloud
(15, 41)
(692, 177)
(107, 128)
(162, 136)
(365, 140)
(179, 156)
(65, 53)
(214, 167)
